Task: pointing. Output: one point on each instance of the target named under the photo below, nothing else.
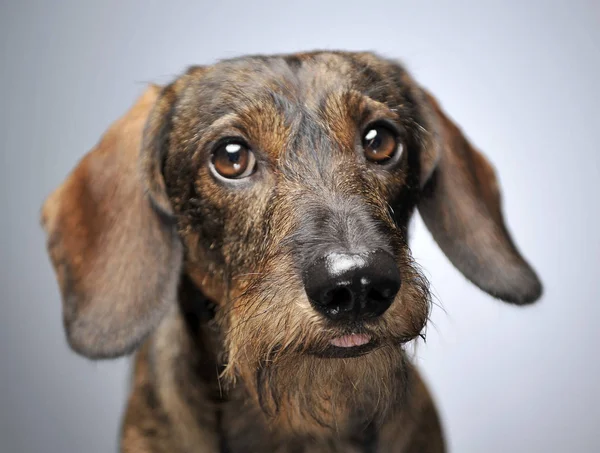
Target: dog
(245, 230)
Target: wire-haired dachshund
(245, 229)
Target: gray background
(520, 77)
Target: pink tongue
(349, 341)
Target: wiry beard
(273, 339)
(310, 394)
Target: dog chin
(334, 390)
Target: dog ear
(112, 238)
(461, 206)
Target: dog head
(283, 187)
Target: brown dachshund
(245, 229)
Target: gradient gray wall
(520, 77)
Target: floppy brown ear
(461, 206)
(117, 257)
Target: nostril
(340, 298)
(376, 295)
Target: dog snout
(350, 287)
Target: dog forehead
(286, 106)
(298, 75)
(287, 82)
(284, 95)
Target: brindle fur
(152, 251)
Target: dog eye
(233, 161)
(380, 144)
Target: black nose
(352, 286)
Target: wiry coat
(204, 276)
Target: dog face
(283, 187)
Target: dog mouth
(348, 345)
(351, 341)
